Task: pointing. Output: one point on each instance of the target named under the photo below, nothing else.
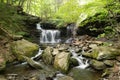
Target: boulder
(47, 55)
(98, 65)
(109, 63)
(23, 47)
(103, 52)
(74, 62)
(61, 61)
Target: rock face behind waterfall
(61, 61)
(23, 47)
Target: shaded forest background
(98, 16)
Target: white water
(58, 75)
(49, 36)
(83, 63)
(38, 54)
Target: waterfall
(83, 62)
(70, 30)
(49, 36)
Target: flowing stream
(83, 62)
(53, 36)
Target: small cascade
(83, 62)
(69, 40)
(49, 36)
(38, 54)
(70, 29)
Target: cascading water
(70, 29)
(49, 36)
(83, 63)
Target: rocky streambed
(84, 59)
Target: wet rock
(33, 78)
(47, 55)
(12, 76)
(98, 65)
(64, 78)
(73, 62)
(109, 63)
(106, 72)
(103, 52)
(55, 52)
(2, 63)
(33, 63)
(93, 46)
(61, 61)
(23, 47)
(63, 47)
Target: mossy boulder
(98, 65)
(109, 63)
(74, 62)
(103, 52)
(61, 61)
(23, 47)
(47, 55)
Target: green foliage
(105, 20)
(9, 19)
(73, 12)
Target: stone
(93, 46)
(61, 61)
(63, 47)
(64, 78)
(103, 53)
(73, 62)
(109, 63)
(55, 52)
(106, 72)
(47, 55)
(98, 65)
(23, 47)
(33, 63)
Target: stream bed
(25, 72)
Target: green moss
(23, 47)
(10, 20)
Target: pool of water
(84, 74)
